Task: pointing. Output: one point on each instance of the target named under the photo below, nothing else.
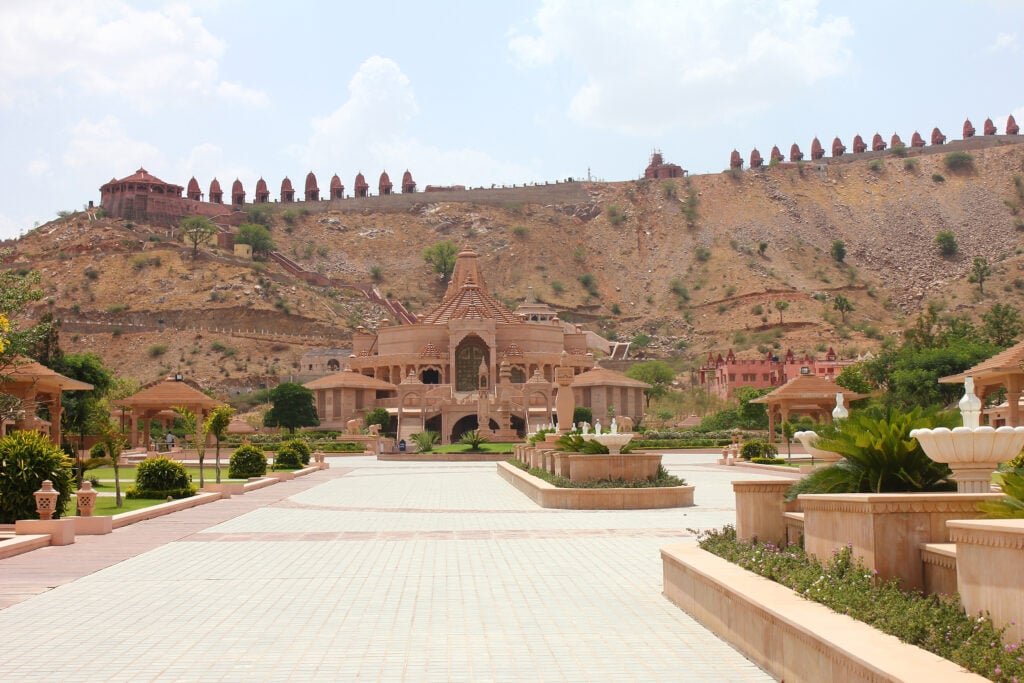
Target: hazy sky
(472, 93)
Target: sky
(472, 93)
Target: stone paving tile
(406, 576)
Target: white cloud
(103, 149)
(650, 65)
(1004, 42)
(370, 132)
(107, 47)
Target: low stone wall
(886, 530)
(791, 638)
(989, 556)
(548, 496)
(939, 567)
(631, 466)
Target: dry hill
(677, 260)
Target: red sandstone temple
(720, 376)
(657, 169)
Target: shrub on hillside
(959, 161)
(160, 478)
(26, 460)
(247, 461)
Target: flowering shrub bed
(934, 623)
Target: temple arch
(470, 352)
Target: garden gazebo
(804, 395)
(34, 384)
(1004, 369)
(164, 395)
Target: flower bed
(664, 479)
(934, 623)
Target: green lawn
(484, 447)
(107, 506)
(128, 473)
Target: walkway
(372, 571)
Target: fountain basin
(972, 454)
(808, 439)
(613, 442)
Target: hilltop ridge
(695, 263)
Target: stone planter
(586, 467)
(886, 530)
(760, 510)
(989, 555)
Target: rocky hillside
(696, 264)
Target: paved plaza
(373, 571)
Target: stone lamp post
(86, 499)
(46, 500)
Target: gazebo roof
(603, 377)
(27, 371)
(167, 394)
(1004, 362)
(808, 387)
(348, 379)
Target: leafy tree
(256, 236)
(910, 375)
(654, 372)
(781, 306)
(84, 411)
(582, 414)
(17, 290)
(854, 378)
(114, 441)
(1001, 325)
(947, 242)
(217, 424)
(442, 257)
(762, 248)
(838, 251)
(192, 425)
(293, 406)
(378, 416)
(788, 430)
(196, 230)
(980, 269)
(751, 415)
(843, 305)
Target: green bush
(378, 416)
(758, 448)
(768, 461)
(582, 414)
(159, 478)
(26, 460)
(288, 457)
(947, 242)
(247, 461)
(425, 440)
(661, 480)
(959, 161)
(98, 451)
(302, 447)
(938, 177)
(703, 254)
(934, 623)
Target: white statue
(597, 426)
(584, 427)
(840, 412)
(970, 405)
(615, 426)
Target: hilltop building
(720, 376)
(470, 363)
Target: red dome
(311, 182)
(335, 182)
(215, 187)
(384, 179)
(261, 186)
(286, 185)
(406, 177)
(193, 186)
(236, 186)
(360, 180)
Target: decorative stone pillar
(86, 499)
(760, 510)
(46, 500)
(565, 402)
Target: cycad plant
(879, 456)
(473, 438)
(1011, 505)
(425, 440)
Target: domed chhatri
(973, 452)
